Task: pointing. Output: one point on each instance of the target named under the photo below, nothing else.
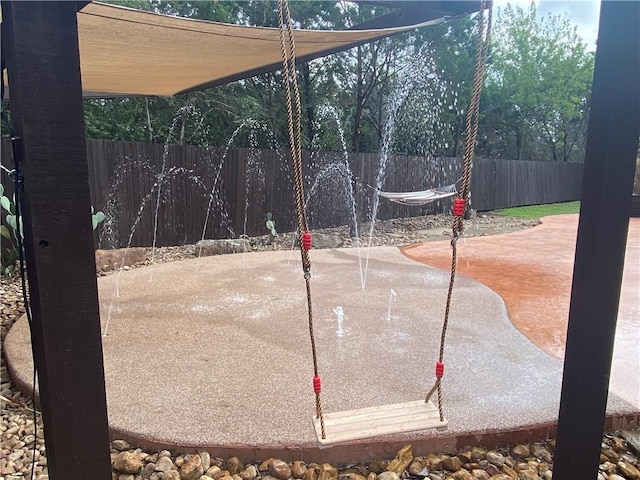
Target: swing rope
(294, 121)
(460, 203)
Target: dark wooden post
(42, 58)
(602, 233)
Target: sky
(583, 13)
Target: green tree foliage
(534, 106)
(452, 46)
(365, 72)
(538, 88)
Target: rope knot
(454, 239)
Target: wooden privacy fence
(222, 193)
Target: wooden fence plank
(495, 184)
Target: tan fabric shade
(127, 52)
(131, 52)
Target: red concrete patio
(532, 271)
(213, 354)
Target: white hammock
(420, 198)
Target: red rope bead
(306, 241)
(439, 369)
(458, 207)
(317, 384)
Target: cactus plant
(271, 226)
(96, 218)
(9, 255)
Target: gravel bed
(521, 462)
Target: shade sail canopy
(127, 52)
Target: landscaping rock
(191, 469)
(109, 260)
(452, 464)
(310, 474)
(280, 469)
(465, 457)
(351, 476)
(264, 466)
(521, 451)
(148, 470)
(418, 467)
(119, 445)
(206, 248)
(205, 459)
(401, 461)
(250, 473)
(495, 458)
(528, 475)
(541, 452)
(378, 466)
(171, 475)
(628, 470)
(324, 240)
(164, 464)
(492, 470)
(326, 471)
(298, 468)
(213, 469)
(633, 438)
(321, 240)
(479, 474)
(610, 455)
(127, 462)
(478, 453)
(388, 476)
(462, 474)
(233, 465)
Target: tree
(360, 73)
(452, 47)
(317, 15)
(537, 89)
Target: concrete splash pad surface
(532, 270)
(215, 354)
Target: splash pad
(218, 359)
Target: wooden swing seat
(376, 421)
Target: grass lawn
(537, 211)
